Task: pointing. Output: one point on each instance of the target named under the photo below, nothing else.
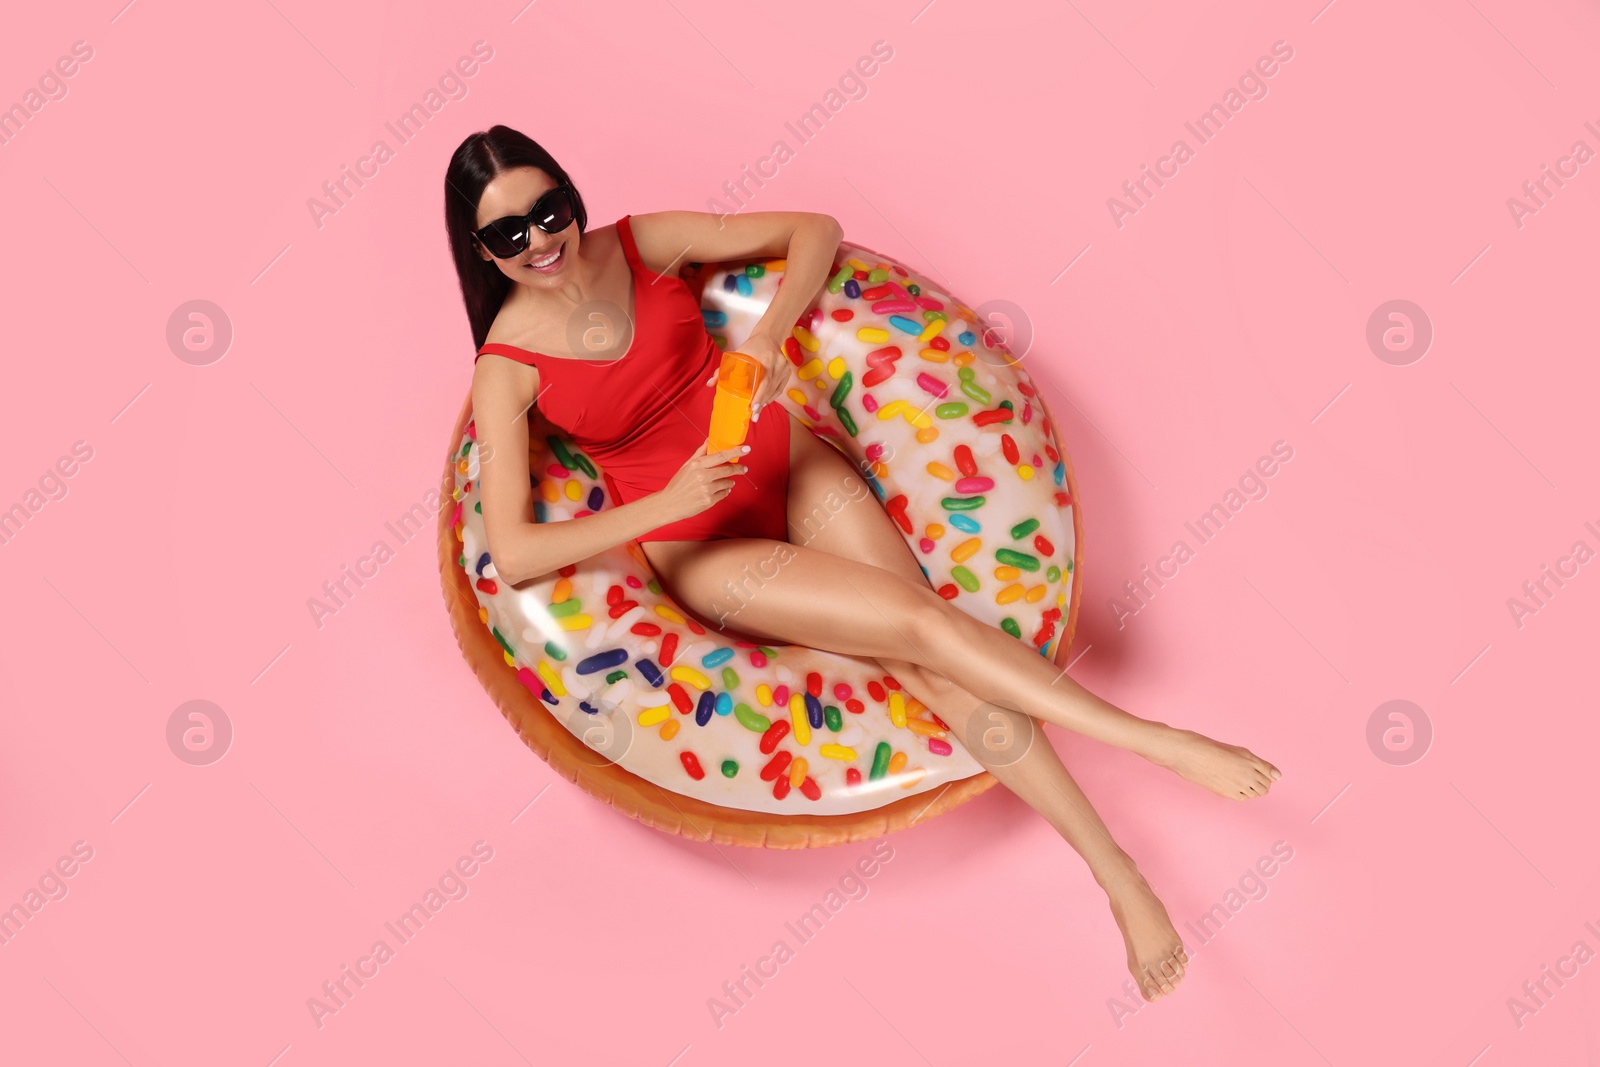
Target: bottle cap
(739, 374)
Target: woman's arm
(806, 240)
(521, 549)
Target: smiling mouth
(548, 262)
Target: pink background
(1230, 312)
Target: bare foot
(1227, 770)
(1156, 958)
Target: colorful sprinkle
(750, 719)
(602, 661)
(880, 761)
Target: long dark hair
(474, 164)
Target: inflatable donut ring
(694, 732)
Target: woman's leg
(1008, 743)
(793, 594)
(796, 594)
(1025, 762)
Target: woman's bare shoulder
(511, 323)
(496, 374)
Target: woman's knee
(931, 623)
(927, 683)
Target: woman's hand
(776, 378)
(703, 480)
(775, 366)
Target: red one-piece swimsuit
(642, 415)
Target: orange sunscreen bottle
(737, 381)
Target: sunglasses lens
(553, 213)
(504, 237)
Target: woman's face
(512, 192)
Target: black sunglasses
(552, 213)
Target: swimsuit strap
(495, 348)
(629, 249)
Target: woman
(554, 306)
